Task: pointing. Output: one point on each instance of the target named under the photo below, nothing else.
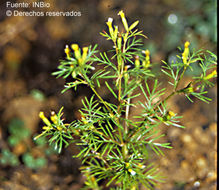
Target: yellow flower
(131, 171)
(46, 128)
(141, 166)
(185, 54)
(54, 118)
(211, 75)
(133, 25)
(67, 51)
(187, 43)
(77, 52)
(137, 62)
(214, 72)
(188, 89)
(147, 52)
(146, 63)
(45, 120)
(84, 120)
(115, 34)
(122, 14)
(41, 115)
(84, 55)
(59, 128)
(171, 114)
(109, 24)
(124, 21)
(75, 47)
(93, 179)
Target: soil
(30, 50)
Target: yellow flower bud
(77, 52)
(133, 25)
(93, 179)
(75, 47)
(188, 89)
(46, 128)
(124, 21)
(84, 55)
(137, 62)
(211, 75)
(147, 52)
(45, 120)
(83, 119)
(214, 73)
(146, 63)
(127, 165)
(54, 118)
(122, 14)
(187, 43)
(73, 74)
(131, 171)
(185, 54)
(109, 22)
(59, 128)
(112, 33)
(41, 115)
(67, 51)
(171, 114)
(141, 166)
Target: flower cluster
(55, 127)
(81, 59)
(146, 62)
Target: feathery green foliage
(114, 147)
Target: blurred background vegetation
(30, 50)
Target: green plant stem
(107, 107)
(127, 113)
(96, 93)
(181, 76)
(120, 76)
(119, 111)
(105, 104)
(124, 44)
(120, 134)
(121, 67)
(101, 99)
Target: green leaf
(111, 90)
